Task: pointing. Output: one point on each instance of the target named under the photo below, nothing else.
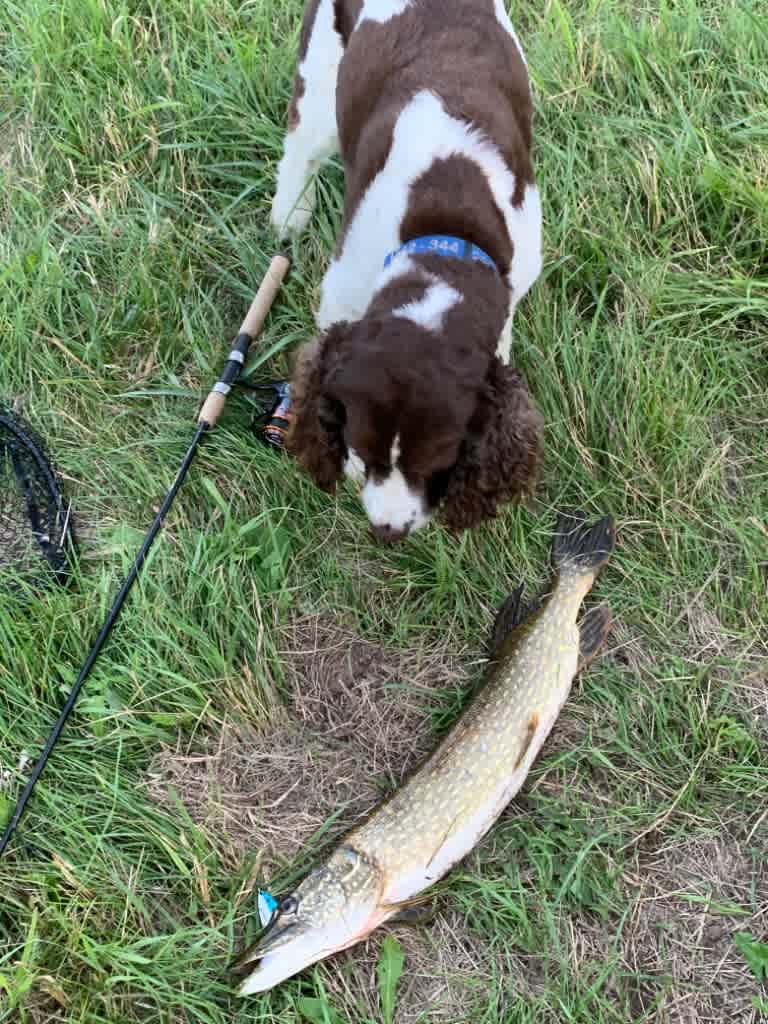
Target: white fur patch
(504, 347)
(315, 137)
(428, 312)
(503, 17)
(354, 467)
(526, 266)
(400, 264)
(424, 132)
(391, 502)
(523, 222)
(381, 10)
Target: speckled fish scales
(447, 806)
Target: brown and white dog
(408, 387)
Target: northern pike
(428, 825)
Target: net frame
(36, 534)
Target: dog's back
(464, 53)
(429, 103)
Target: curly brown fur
(501, 456)
(315, 435)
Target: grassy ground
(138, 145)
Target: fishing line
(206, 421)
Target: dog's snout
(389, 534)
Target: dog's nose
(389, 534)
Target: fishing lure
(267, 905)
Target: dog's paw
(289, 216)
(354, 468)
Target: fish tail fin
(582, 547)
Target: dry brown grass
(448, 974)
(751, 691)
(356, 720)
(15, 144)
(691, 898)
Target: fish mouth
(275, 935)
(276, 956)
(270, 970)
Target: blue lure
(267, 906)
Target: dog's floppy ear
(500, 457)
(315, 434)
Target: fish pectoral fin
(593, 630)
(509, 616)
(415, 914)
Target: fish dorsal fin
(512, 613)
(593, 629)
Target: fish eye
(288, 905)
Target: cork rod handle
(265, 296)
(254, 321)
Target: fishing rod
(210, 412)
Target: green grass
(138, 148)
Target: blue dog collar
(443, 245)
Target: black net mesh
(35, 532)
